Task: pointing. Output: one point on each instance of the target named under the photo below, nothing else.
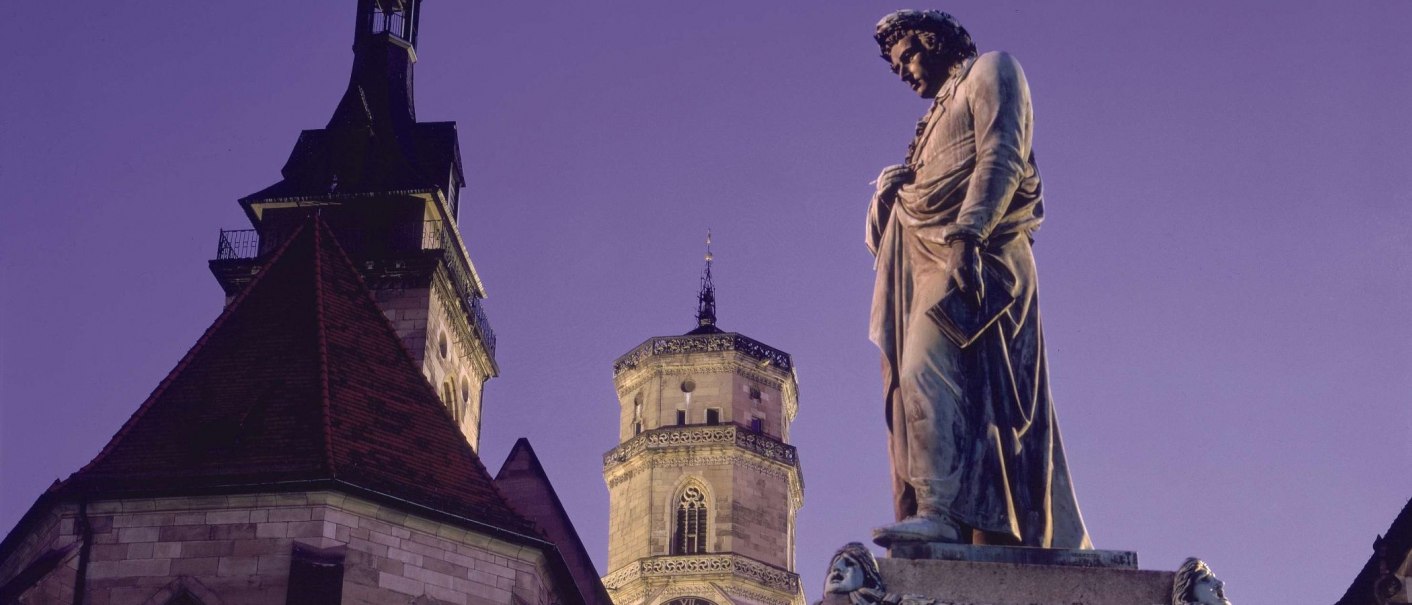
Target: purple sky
(1225, 263)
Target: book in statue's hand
(961, 319)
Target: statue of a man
(1194, 584)
(974, 443)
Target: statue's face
(917, 67)
(845, 575)
(1209, 590)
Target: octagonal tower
(704, 486)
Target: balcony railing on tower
(379, 244)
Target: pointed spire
(706, 300)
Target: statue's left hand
(965, 263)
(891, 179)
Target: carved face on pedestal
(915, 60)
(852, 568)
(1194, 584)
(1209, 590)
(845, 575)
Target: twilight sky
(1226, 265)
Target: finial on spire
(706, 300)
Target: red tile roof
(301, 379)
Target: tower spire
(706, 299)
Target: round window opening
(441, 346)
(688, 386)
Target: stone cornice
(704, 343)
(703, 435)
(722, 566)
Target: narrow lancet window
(690, 535)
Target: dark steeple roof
(301, 380)
(706, 298)
(373, 144)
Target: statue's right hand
(891, 179)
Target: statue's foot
(918, 529)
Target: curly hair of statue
(949, 39)
(1192, 569)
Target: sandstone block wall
(240, 547)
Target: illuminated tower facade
(704, 486)
(388, 187)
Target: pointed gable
(301, 380)
(527, 488)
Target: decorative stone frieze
(703, 343)
(679, 437)
(684, 566)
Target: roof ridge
(467, 453)
(186, 359)
(322, 330)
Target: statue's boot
(918, 528)
(930, 524)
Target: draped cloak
(976, 426)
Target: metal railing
(237, 244)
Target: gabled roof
(527, 488)
(301, 379)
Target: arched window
(690, 535)
(448, 396)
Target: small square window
(681, 417)
(757, 425)
(713, 416)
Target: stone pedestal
(1002, 575)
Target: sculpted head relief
(852, 568)
(1194, 584)
(854, 579)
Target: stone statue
(974, 443)
(1194, 584)
(853, 579)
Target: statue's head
(922, 47)
(1195, 584)
(852, 568)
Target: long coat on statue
(974, 426)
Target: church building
(318, 444)
(704, 486)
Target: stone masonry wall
(424, 318)
(239, 547)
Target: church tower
(387, 186)
(703, 486)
